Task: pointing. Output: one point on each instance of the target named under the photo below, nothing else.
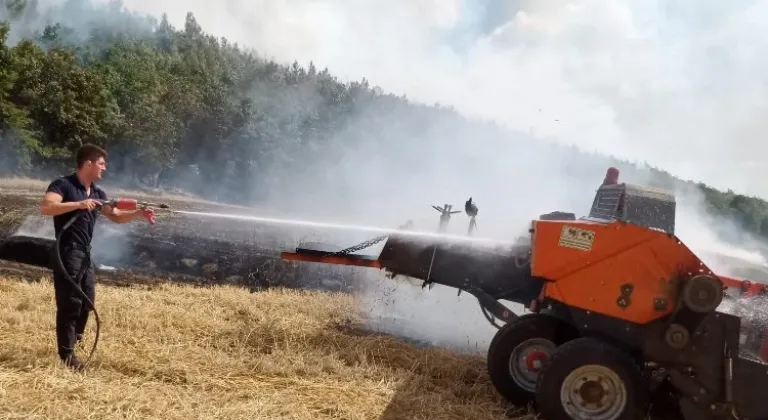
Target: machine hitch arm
(311, 255)
(487, 274)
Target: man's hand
(149, 214)
(88, 204)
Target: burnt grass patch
(195, 250)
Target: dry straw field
(172, 351)
(181, 352)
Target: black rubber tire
(503, 344)
(590, 351)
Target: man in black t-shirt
(65, 198)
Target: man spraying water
(77, 196)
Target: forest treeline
(180, 108)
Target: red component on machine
(746, 288)
(611, 176)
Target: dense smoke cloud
(677, 86)
(680, 85)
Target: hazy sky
(680, 84)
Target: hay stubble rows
(180, 351)
(183, 352)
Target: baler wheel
(517, 352)
(589, 379)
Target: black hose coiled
(68, 276)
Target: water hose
(72, 281)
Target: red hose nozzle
(129, 204)
(122, 204)
(126, 204)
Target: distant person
(64, 198)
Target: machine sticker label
(572, 237)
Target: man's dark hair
(90, 152)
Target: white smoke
(679, 85)
(36, 227)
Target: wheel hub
(535, 360)
(527, 359)
(593, 392)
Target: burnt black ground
(210, 250)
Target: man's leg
(88, 284)
(68, 306)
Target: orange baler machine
(623, 314)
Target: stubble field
(218, 345)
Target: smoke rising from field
(638, 80)
(36, 227)
(678, 85)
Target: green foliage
(181, 108)
(15, 7)
(18, 143)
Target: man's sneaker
(74, 363)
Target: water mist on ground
(434, 316)
(109, 240)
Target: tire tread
(529, 326)
(590, 350)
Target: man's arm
(52, 205)
(124, 216)
(121, 216)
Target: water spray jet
(343, 226)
